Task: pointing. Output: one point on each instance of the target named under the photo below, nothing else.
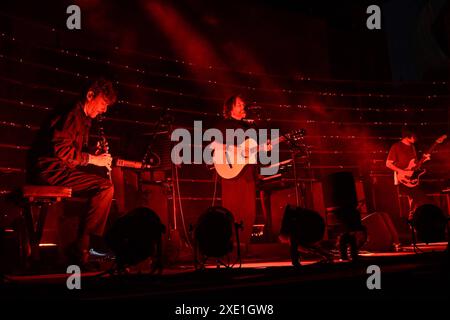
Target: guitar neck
(127, 164)
(273, 142)
(430, 150)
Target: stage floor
(405, 275)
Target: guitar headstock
(441, 138)
(295, 135)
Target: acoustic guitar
(231, 160)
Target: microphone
(248, 120)
(253, 107)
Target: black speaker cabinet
(279, 199)
(339, 190)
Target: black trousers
(239, 197)
(416, 196)
(97, 189)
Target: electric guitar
(231, 160)
(411, 178)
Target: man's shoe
(101, 255)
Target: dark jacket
(60, 145)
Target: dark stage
(406, 276)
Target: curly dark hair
(104, 87)
(228, 105)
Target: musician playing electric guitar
(401, 159)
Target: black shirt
(234, 124)
(62, 144)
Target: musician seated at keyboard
(59, 153)
(399, 160)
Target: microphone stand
(172, 231)
(294, 160)
(146, 158)
(295, 150)
(157, 127)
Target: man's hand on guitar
(406, 173)
(102, 160)
(246, 151)
(426, 157)
(101, 147)
(267, 147)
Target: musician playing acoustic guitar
(398, 160)
(239, 193)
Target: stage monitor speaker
(307, 226)
(381, 233)
(136, 236)
(430, 223)
(339, 190)
(278, 201)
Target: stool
(40, 198)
